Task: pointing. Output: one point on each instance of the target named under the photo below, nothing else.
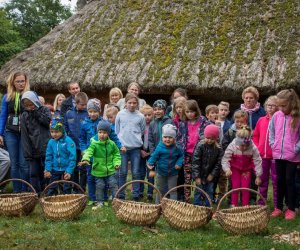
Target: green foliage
(33, 19)
(10, 40)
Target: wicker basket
(243, 220)
(182, 215)
(63, 207)
(18, 204)
(136, 213)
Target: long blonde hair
(180, 101)
(115, 91)
(11, 89)
(56, 100)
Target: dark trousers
(37, 167)
(56, 176)
(80, 175)
(297, 184)
(286, 173)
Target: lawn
(100, 229)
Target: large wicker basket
(184, 216)
(18, 204)
(136, 213)
(243, 220)
(63, 207)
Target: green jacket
(106, 156)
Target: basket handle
(137, 181)
(191, 186)
(237, 190)
(20, 180)
(61, 181)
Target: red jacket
(260, 137)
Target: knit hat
(160, 104)
(57, 124)
(169, 130)
(104, 125)
(94, 104)
(212, 131)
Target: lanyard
(17, 102)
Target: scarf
(257, 106)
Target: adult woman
(115, 94)
(59, 98)
(17, 84)
(133, 88)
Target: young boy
(212, 113)
(35, 135)
(147, 111)
(60, 156)
(168, 159)
(106, 160)
(222, 117)
(73, 120)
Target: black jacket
(66, 105)
(206, 160)
(35, 132)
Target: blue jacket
(165, 158)
(226, 126)
(73, 120)
(61, 155)
(88, 129)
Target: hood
(33, 97)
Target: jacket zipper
(169, 165)
(283, 135)
(58, 156)
(267, 136)
(106, 158)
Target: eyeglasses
(271, 106)
(20, 81)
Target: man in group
(69, 103)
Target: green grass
(100, 229)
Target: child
(238, 161)
(222, 117)
(179, 111)
(285, 144)
(206, 163)
(212, 113)
(168, 159)
(115, 94)
(179, 92)
(130, 127)
(73, 120)
(111, 114)
(60, 156)
(261, 140)
(147, 111)
(88, 130)
(106, 160)
(35, 135)
(195, 132)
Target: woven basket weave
(136, 213)
(243, 220)
(63, 207)
(18, 204)
(186, 216)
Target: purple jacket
(284, 141)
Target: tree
(10, 40)
(33, 19)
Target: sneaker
(277, 212)
(91, 203)
(98, 205)
(290, 215)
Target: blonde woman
(59, 98)
(17, 84)
(115, 94)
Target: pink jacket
(243, 161)
(260, 137)
(284, 141)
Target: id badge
(15, 121)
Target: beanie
(160, 104)
(169, 130)
(94, 104)
(212, 131)
(56, 124)
(104, 125)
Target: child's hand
(47, 174)
(123, 149)
(209, 178)
(257, 181)
(67, 176)
(228, 173)
(198, 181)
(144, 154)
(149, 166)
(82, 163)
(177, 167)
(117, 167)
(152, 174)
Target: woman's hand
(1, 140)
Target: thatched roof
(199, 45)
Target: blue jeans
(200, 199)
(91, 182)
(143, 170)
(19, 168)
(134, 155)
(102, 182)
(56, 176)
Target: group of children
(172, 144)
